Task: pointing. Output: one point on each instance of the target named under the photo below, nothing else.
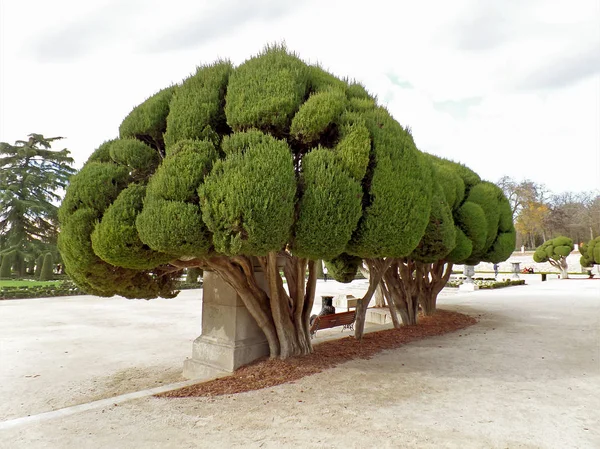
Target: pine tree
(31, 178)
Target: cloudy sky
(508, 87)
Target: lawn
(26, 283)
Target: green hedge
(487, 285)
(64, 288)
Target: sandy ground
(526, 376)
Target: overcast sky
(508, 87)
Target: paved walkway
(528, 375)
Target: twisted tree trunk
(400, 282)
(377, 267)
(282, 315)
(561, 265)
(432, 278)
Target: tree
(555, 252)
(32, 176)
(470, 222)
(47, 273)
(574, 215)
(6, 266)
(274, 164)
(590, 253)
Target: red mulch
(270, 372)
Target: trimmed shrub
(440, 235)
(95, 187)
(135, 155)
(554, 249)
(196, 109)
(38, 266)
(148, 121)
(471, 219)
(383, 230)
(115, 239)
(182, 172)
(318, 114)
(590, 253)
(47, 273)
(330, 207)
(266, 91)
(248, 199)
(174, 227)
(102, 153)
(344, 267)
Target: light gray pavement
(527, 375)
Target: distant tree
(575, 215)
(6, 266)
(531, 221)
(590, 253)
(47, 273)
(32, 176)
(555, 252)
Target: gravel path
(526, 376)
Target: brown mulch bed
(270, 372)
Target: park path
(526, 376)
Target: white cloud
(508, 88)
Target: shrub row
(487, 284)
(64, 288)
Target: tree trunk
(401, 285)
(380, 300)
(282, 316)
(377, 268)
(391, 305)
(561, 265)
(432, 279)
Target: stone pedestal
(468, 287)
(230, 336)
(345, 302)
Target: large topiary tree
(272, 164)
(590, 253)
(555, 252)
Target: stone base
(230, 336)
(211, 356)
(379, 315)
(468, 287)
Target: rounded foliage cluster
(590, 253)
(555, 249)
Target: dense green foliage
(196, 109)
(148, 121)
(268, 156)
(590, 253)
(32, 176)
(47, 273)
(6, 265)
(440, 235)
(343, 268)
(554, 249)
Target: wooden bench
(345, 319)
